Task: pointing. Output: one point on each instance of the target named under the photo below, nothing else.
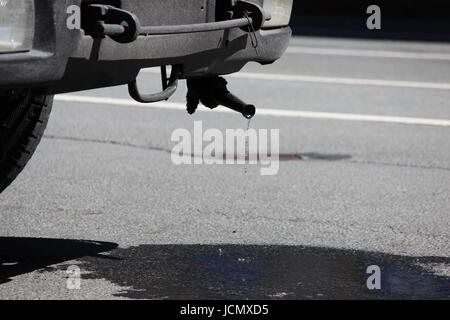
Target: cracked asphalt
(102, 192)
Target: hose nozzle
(213, 92)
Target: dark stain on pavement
(325, 156)
(264, 272)
(314, 156)
(282, 157)
(229, 271)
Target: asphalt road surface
(364, 180)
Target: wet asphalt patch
(230, 271)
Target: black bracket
(101, 20)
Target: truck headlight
(280, 11)
(16, 25)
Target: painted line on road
(260, 112)
(370, 53)
(332, 80)
(346, 81)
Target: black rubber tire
(23, 120)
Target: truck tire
(23, 119)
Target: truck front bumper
(64, 60)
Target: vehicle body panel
(64, 60)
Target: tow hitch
(210, 91)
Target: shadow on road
(23, 255)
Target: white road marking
(333, 80)
(370, 53)
(347, 81)
(260, 112)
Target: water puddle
(252, 272)
(265, 272)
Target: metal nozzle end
(249, 111)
